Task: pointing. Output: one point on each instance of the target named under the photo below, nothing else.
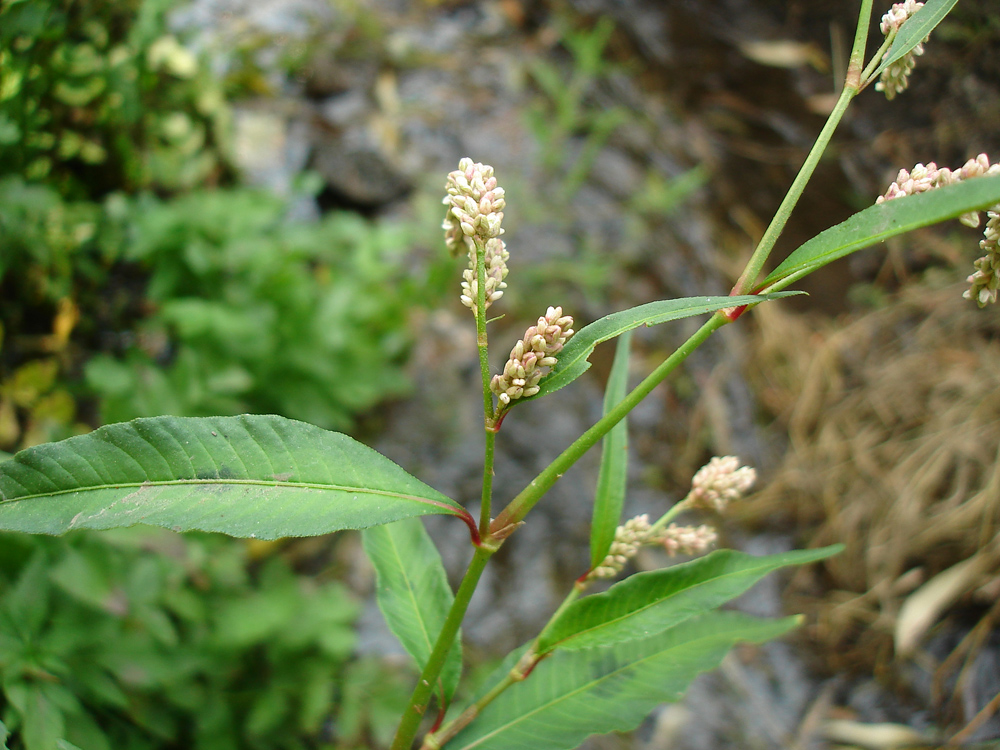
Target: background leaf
(247, 476)
(915, 30)
(413, 592)
(573, 694)
(878, 223)
(651, 602)
(573, 358)
(43, 721)
(610, 494)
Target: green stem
(417, 706)
(530, 495)
(748, 279)
(866, 74)
(518, 673)
(669, 516)
(484, 370)
(484, 510)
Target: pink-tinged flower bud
(475, 213)
(629, 537)
(985, 281)
(720, 482)
(531, 357)
(895, 78)
(687, 540)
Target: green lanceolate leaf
(573, 357)
(573, 694)
(610, 495)
(651, 602)
(247, 476)
(885, 220)
(413, 592)
(915, 30)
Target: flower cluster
(629, 537)
(720, 482)
(985, 281)
(475, 211)
(686, 540)
(895, 78)
(636, 532)
(531, 356)
(496, 271)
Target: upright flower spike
(896, 77)
(475, 211)
(531, 357)
(496, 272)
(985, 281)
(720, 482)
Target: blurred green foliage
(98, 96)
(137, 280)
(566, 112)
(253, 313)
(149, 639)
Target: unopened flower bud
(985, 281)
(687, 540)
(628, 538)
(532, 356)
(475, 213)
(895, 78)
(720, 482)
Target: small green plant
(564, 113)
(99, 96)
(140, 638)
(252, 312)
(603, 660)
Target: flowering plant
(603, 660)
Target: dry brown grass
(894, 425)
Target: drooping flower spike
(896, 77)
(984, 283)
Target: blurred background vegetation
(145, 269)
(139, 277)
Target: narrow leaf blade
(574, 694)
(915, 30)
(878, 223)
(248, 476)
(610, 495)
(573, 359)
(413, 592)
(651, 602)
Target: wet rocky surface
(385, 98)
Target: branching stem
(417, 706)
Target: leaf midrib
(635, 612)
(411, 591)
(242, 482)
(587, 686)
